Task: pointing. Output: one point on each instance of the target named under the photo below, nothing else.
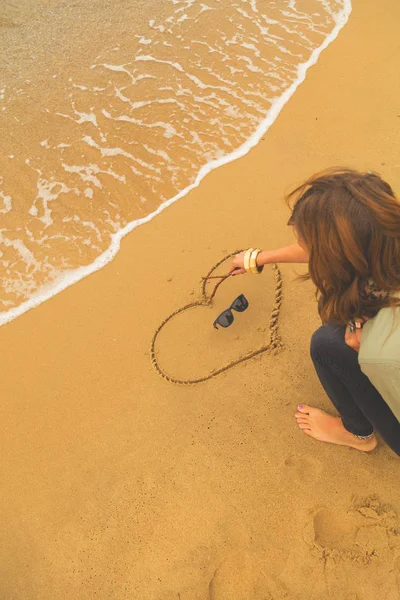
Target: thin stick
(217, 286)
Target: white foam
(68, 278)
(21, 249)
(45, 195)
(169, 130)
(121, 69)
(7, 203)
(159, 27)
(86, 118)
(88, 173)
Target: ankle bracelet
(364, 437)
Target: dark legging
(359, 404)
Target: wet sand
(117, 484)
(107, 116)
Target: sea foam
(219, 90)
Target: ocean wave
(115, 142)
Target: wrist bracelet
(253, 262)
(250, 261)
(246, 259)
(353, 324)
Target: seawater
(107, 120)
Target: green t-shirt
(379, 355)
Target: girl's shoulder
(379, 355)
(380, 338)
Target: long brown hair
(350, 224)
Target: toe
(312, 411)
(300, 415)
(303, 425)
(307, 431)
(303, 408)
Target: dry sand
(116, 484)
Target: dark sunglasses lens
(225, 319)
(240, 304)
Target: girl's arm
(289, 254)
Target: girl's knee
(327, 340)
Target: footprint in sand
(4, 22)
(9, 14)
(303, 466)
(244, 576)
(359, 550)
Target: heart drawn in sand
(273, 345)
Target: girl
(347, 225)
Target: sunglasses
(226, 317)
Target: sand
(117, 484)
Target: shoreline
(118, 484)
(68, 278)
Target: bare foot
(325, 428)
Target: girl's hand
(237, 267)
